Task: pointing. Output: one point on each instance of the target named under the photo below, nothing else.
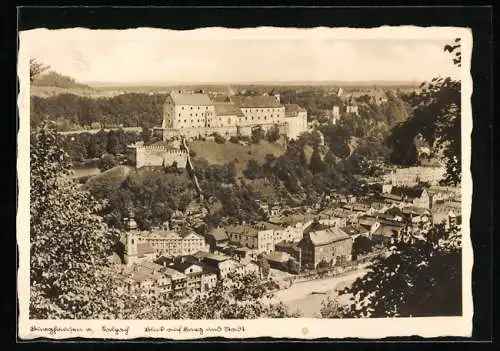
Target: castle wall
(159, 156)
(226, 132)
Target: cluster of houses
(180, 263)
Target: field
(240, 154)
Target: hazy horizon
(151, 57)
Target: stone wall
(226, 132)
(159, 156)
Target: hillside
(229, 152)
(53, 83)
(109, 180)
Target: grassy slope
(226, 153)
(111, 179)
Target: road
(95, 131)
(300, 297)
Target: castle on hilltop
(197, 114)
(191, 115)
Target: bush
(234, 139)
(219, 139)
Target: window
(198, 107)
(182, 107)
(191, 107)
(179, 114)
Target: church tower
(131, 243)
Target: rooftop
(328, 236)
(278, 256)
(292, 110)
(194, 99)
(242, 230)
(256, 101)
(228, 109)
(218, 234)
(351, 230)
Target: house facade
(331, 245)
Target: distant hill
(54, 79)
(53, 83)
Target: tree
(146, 134)
(69, 242)
(264, 266)
(107, 161)
(273, 134)
(258, 134)
(436, 115)
(293, 266)
(36, 68)
(254, 170)
(418, 277)
(316, 164)
(361, 245)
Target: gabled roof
(194, 99)
(278, 256)
(415, 210)
(315, 226)
(191, 235)
(173, 274)
(219, 234)
(292, 110)
(328, 236)
(182, 266)
(151, 266)
(411, 193)
(256, 101)
(387, 230)
(242, 230)
(351, 230)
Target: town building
(279, 260)
(198, 277)
(259, 237)
(411, 176)
(170, 243)
(325, 244)
(216, 237)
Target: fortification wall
(179, 157)
(159, 156)
(226, 132)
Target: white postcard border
(302, 328)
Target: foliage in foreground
(419, 277)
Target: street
(300, 297)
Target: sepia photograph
(244, 182)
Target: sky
(166, 56)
